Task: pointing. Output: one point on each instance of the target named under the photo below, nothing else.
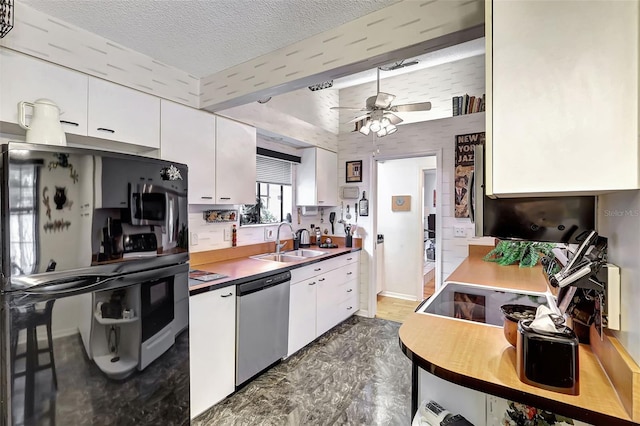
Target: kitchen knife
(332, 219)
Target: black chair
(29, 319)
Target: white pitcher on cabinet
(45, 127)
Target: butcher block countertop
(478, 356)
(244, 269)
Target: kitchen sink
(283, 257)
(305, 253)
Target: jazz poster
(463, 171)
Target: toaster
(548, 360)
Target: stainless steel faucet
(278, 245)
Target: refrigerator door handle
(72, 284)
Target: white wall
(312, 107)
(403, 236)
(618, 216)
(411, 140)
(40, 35)
(437, 85)
(429, 187)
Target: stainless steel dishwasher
(262, 329)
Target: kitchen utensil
(318, 236)
(299, 213)
(304, 238)
(321, 215)
(332, 219)
(513, 314)
(45, 127)
(548, 360)
(348, 214)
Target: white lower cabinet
(212, 317)
(322, 295)
(302, 314)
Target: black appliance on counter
(81, 312)
(562, 219)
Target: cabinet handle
(349, 273)
(312, 283)
(350, 290)
(104, 129)
(207, 198)
(321, 279)
(350, 258)
(226, 295)
(349, 308)
(318, 269)
(123, 203)
(320, 201)
(71, 123)
(225, 198)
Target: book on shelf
(465, 104)
(456, 108)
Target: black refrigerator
(94, 290)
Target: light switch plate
(269, 234)
(459, 232)
(227, 234)
(194, 239)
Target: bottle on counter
(234, 236)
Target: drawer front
(347, 308)
(347, 290)
(306, 272)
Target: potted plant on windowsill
(525, 253)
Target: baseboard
(398, 295)
(364, 314)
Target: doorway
(400, 214)
(429, 220)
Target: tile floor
(353, 375)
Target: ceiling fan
(380, 117)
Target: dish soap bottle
(234, 236)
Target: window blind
(272, 170)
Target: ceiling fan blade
(358, 118)
(420, 106)
(383, 100)
(394, 119)
(349, 108)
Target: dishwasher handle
(263, 283)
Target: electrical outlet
(459, 232)
(269, 234)
(227, 234)
(194, 239)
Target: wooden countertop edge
(256, 269)
(582, 413)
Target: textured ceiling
(206, 36)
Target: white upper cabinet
(121, 114)
(235, 167)
(562, 86)
(23, 78)
(317, 178)
(188, 136)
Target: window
(274, 194)
(23, 213)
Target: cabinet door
(212, 318)
(564, 98)
(302, 314)
(188, 136)
(122, 114)
(23, 78)
(306, 193)
(235, 162)
(327, 178)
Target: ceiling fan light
(375, 125)
(385, 122)
(391, 128)
(382, 132)
(365, 130)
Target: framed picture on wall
(354, 171)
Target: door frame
(373, 211)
